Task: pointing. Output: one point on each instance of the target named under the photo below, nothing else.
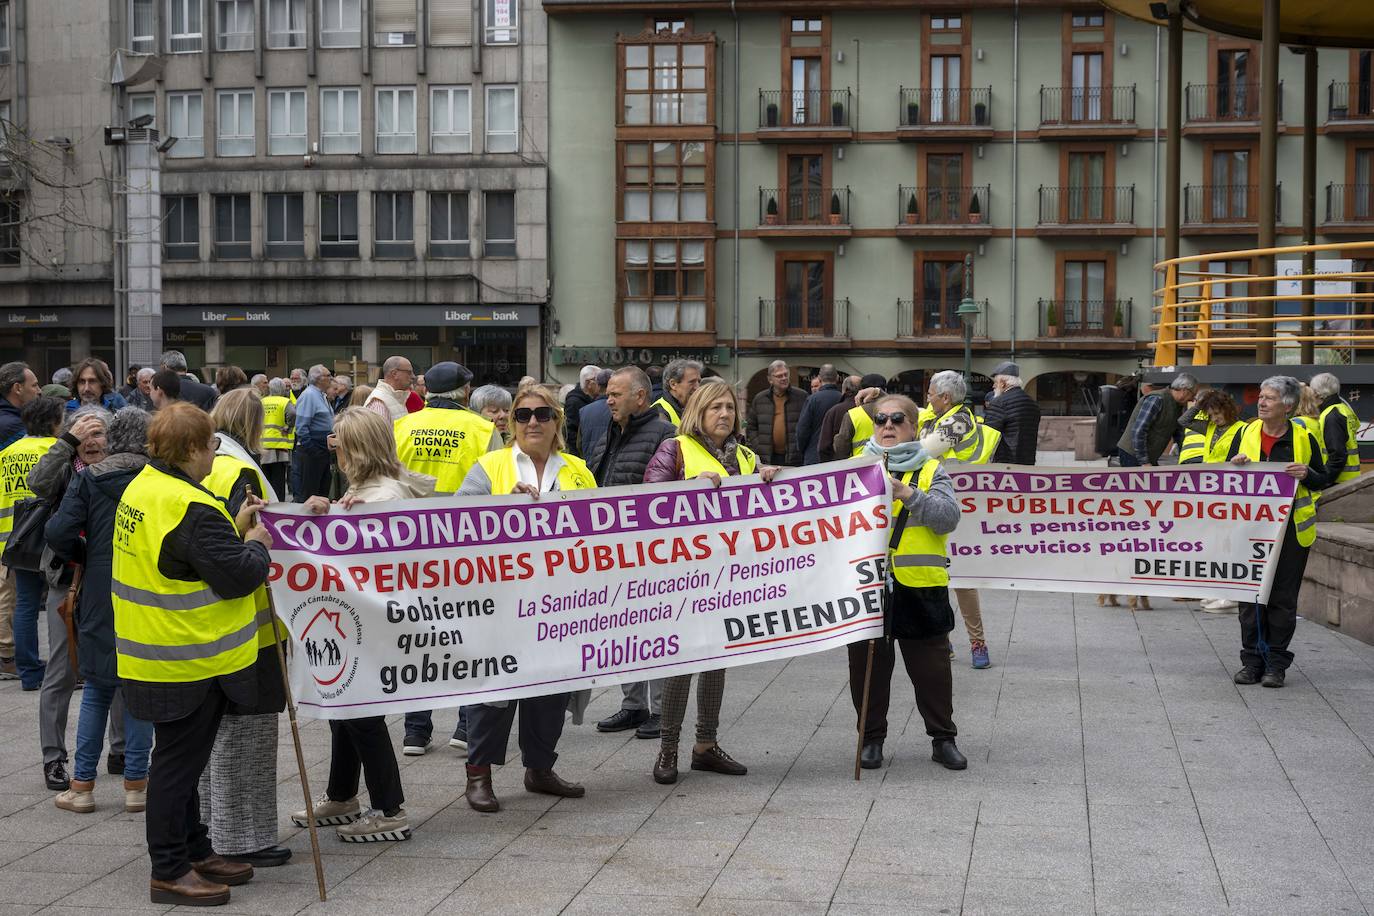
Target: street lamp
(968, 314)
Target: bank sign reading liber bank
(180, 316)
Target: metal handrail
(803, 206)
(1086, 105)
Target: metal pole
(1268, 168)
(1309, 195)
(1173, 137)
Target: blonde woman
(534, 463)
(359, 396)
(709, 445)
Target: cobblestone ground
(1113, 768)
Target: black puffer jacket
(1016, 416)
(620, 457)
(89, 507)
(572, 410)
(11, 427)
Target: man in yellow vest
(1339, 427)
(681, 377)
(18, 386)
(857, 426)
(444, 440)
(278, 435)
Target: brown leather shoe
(715, 760)
(218, 868)
(479, 792)
(665, 767)
(191, 889)
(547, 782)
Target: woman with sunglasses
(709, 445)
(924, 512)
(534, 463)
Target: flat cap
(873, 380)
(1006, 367)
(446, 376)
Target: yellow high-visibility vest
(697, 460)
(170, 630)
(673, 416)
(275, 433)
(863, 429)
(225, 473)
(1210, 446)
(15, 463)
(1304, 519)
(1351, 470)
(975, 448)
(1313, 427)
(920, 560)
(501, 471)
(443, 443)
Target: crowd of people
(150, 566)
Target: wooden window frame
(923, 177)
(1234, 330)
(946, 15)
(650, 337)
(1217, 43)
(963, 50)
(1088, 11)
(1073, 42)
(789, 52)
(1209, 149)
(780, 262)
(651, 22)
(787, 152)
(1352, 149)
(666, 130)
(920, 260)
(1062, 258)
(1108, 152)
(708, 188)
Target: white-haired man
(1014, 414)
(587, 390)
(1339, 427)
(314, 423)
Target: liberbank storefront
(499, 343)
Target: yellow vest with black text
(15, 463)
(1211, 446)
(920, 560)
(226, 471)
(275, 433)
(673, 416)
(171, 630)
(444, 443)
(1304, 518)
(697, 460)
(1352, 445)
(501, 471)
(975, 448)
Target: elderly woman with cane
(924, 512)
(1266, 629)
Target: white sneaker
(376, 827)
(329, 813)
(80, 798)
(1218, 606)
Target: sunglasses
(542, 414)
(882, 419)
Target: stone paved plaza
(1113, 768)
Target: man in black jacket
(1014, 414)
(192, 390)
(771, 424)
(814, 411)
(618, 459)
(585, 392)
(18, 386)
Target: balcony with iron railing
(938, 321)
(1221, 109)
(1076, 319)
(944, 211)
(923, 113)
(1225, 209)
(1349, 208)
(804, 320)
(1350, 108)
(1087, 210)
(804, 212)
(804, 114)
(1087, 111)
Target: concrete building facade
(350, 178)
(807, 183)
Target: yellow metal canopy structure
(1315, 23)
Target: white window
(503, 119)
(144, 103)
(393, 224)
(286, 122)
(448, 224)
(450, 119)
(340, 121)
(450, 22)
(502, 21)
(183, 26)
(396, 120)
(341, 23)
(142, 26)
(186, 122)
(234, 24)
(286, 23)
(499, 241)
(235, 137)
(4, 31)
(393, 24)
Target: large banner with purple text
(452, 601)
(1200, 531)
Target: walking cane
(868, 678)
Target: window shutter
(450, 22)
(394, 15)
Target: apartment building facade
(349, 178)
(830, 182)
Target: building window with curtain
(234, 25)
(181, 228)
(942, 289)
(503, 119)
(499, 212)
(186, 122)
(341, 23)
(393, 224)
(1086, 190)
(235, 136)
(666, 82)
(4, 31)
(502, 21)
(184, 34)
(341, 121)
(142, 26)
(664, 181)
(285, 24)
(339, 225)
(450, 119)
(285, 226)
(396, 120)
(286, 131)
(10, 217)
(450, 22)
(393, 23)
(663, 286)
(233, 227)
(448, 224)
(1084, 299)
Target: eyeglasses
(214, 443)
(524, 414)
(882, 419)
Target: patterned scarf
(727, 454)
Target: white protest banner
(451, 601)
(1200, 531)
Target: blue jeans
(90, 736)
(28, 602)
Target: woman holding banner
(534, 463)
(709, 445)
(1267, 629)
(366, 450)
(1213, 423)
(924, 512)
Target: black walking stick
(898, 524)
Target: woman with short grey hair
(492, 402)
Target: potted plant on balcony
(975, 209)
(771, 114)
(911, 212)
(1118, 322)
(837, 114)
(770, 213)
(980, 114)
(835, 213)
(1051, 320)
(913, 114)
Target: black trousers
(181, 749)
(1274, 623)
(541, 725)
(312, 466)
(363, 747)
(927, 664)
(276, 476)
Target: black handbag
(24, 549)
